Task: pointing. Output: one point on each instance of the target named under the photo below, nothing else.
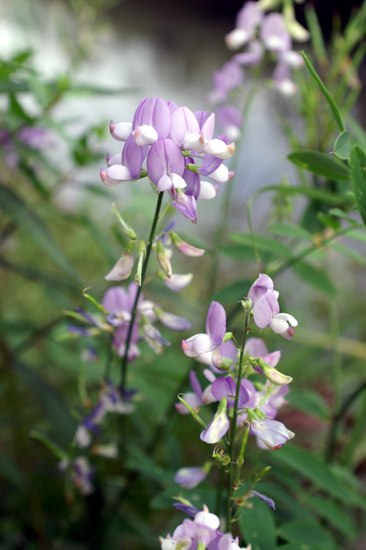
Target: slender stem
(220, 488)
(233, 425)
(337, 418)
(133, 312)
(240, 460)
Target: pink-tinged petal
(262, 312)
(260, 287)
(133, 157)
(194, 142)
(207, 191)
(219, 149)
(209, 375)
(236, 38)
(216, 323)
(115, 300)
(274, 34)
(116, 159)
(122, 269)
(183, 122)
(185, 248)
(176, 283)
(217, 428)
(288, 334)
(121, 131)
(115, 174)
(145, 135)
(173, 322)
(186, 205)
(196, 386)
(207, 396)
(192, 400)
(200, 343)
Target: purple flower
(269, 501)
(266, 309)
(173, 322)
(218, 426)
(121, 131)
(186, 205)
(226, 387)
(230, 76)
(152, 121)
(214, 336)
(282, 79)
(226, 350)
(247, 21)
(253, 56)
(271, 433)
(255, 347)
(230, 120)
(189, 510)
(165, 165)
(185, 248)
(132, 159)
(274, 34)
(82, 474)
(190, 477)
(197, 398)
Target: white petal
(278, 325)
(121, 131)
(177, 282)
(287, 317)
(207, 191)
(219, 149)
(164, 183)
(178, 182)
(236, 38)
(145, 135)
(116, 159)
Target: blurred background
(67, 69)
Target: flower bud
(220, 456)
(273, 374)
(122, 269)
(121, 131)
(176, 283)
(185, 248)
(247, 304)
(163, 259)
(141, 258)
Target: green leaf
(283, 499)
(313, 469)
(55, 449)
(34, 227)
(348, 252)
(342, 146)
(357, 131)
(358, 174)
(327, 509)
(238, 251)
(264, 244)
(316, 194)
(328, 221)
(357, 235)
(320, 164)
(338, 213)
(233, 292)
(309, 402)
(258, 527)
(315, 33)
(314, 277)
(292, 230)
(332, 104)
(295, 546)
(307, 533)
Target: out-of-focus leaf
(55, 449)
(315, 33)
(357, 131)
(34, 227)
(312, 468)
(139, 461)
(54, 406)
(12, 473)
(348, 252)
(317, 194)
(197, 496)
(292, 230)
(307, 533)
(265, 244)
(357, 235)
(338, 213)
(111, 252)
(342, 146)
(332, 512)
(238, 251)
(332, 103)
(358, 173)
(309, 402)
(232, 293)
(320, 164)
(283, 498)
(314, 277)
(258, 527)
(16, 109)
(328, 221)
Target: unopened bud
(273, 375)
(221, 457)
(141, 258)
(185, 248)
(247, 304)
(126, 228)
(163, 259)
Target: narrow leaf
(332, 104)
(332, 512)
(292, 230)
(320, 164)
(55, 449)
(313, 276)
(307, 533)
(309, 402)
(358, 174)
(257, 526)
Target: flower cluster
(257, 406)
(201, 533)
(178, 146)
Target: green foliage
(358, 173)
(251, 522)
(320, 164)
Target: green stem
(233, 425)
(240, 460)
(133, 312)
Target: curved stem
(233, 425)
(133, 312)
